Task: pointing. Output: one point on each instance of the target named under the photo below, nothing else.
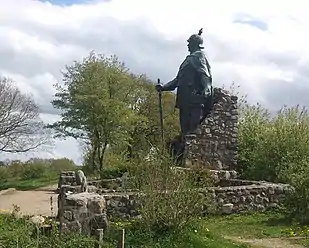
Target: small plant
(169, 198)
(297, 201)
(16, 210)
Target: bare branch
(21, 129)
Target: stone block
(78, 212)
(227, 208)
(216, 144)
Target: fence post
(121, 239)
(99, 238)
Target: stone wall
(66, 178)
(247, 196)
(236, 196)
(215, 143)
(122, 206)
(82, 213)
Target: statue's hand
(159, 87)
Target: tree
(21, 129)
(97, 98)
(146, 133)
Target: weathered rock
(96, 205)
(215, 144)
(227, 208)
(37, 220)
(78, 212)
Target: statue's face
(191, 46)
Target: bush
(15, 169)
(270, 145)
(34, 171)
(169, 197)
(62, 164)
(4, 174)
(297, 201)
(275, 148)
(110, 173)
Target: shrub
(275, 148)
(115, 165)
(33, 171)
(297, 201)
(15, 169)
(110, 173)
(4, 174)
(269, 145)
(169, 197)
(63, 164)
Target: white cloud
(37, 39)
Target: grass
(259, 226)
(29, 184)
(19, 231)
(196, 236)
(207, 233)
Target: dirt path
(35, 202)
(266, 243)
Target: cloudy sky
(261, 47)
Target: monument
(194, 97)
(194, 87)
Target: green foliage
(15, 169)
(115, 165)
(258, 225)
(110, 173)
(196, 235)
(29, 184)
(275, 148)
(21, 233)
(297, 202)
(4, 174)
(33, 174)
(269, 145)
(109, 108)
(33, 171)
(62, 164)
(146, 133)
(97, 101)
(169, 198)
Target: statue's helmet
(197, 39)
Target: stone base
(214, 144)
(237, 196)
(82, 213)
(234, 196)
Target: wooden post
(51, 206)
(99, 238)
(121, 239)
(46, 230)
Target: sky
(260, 45)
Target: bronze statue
(194, 86)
